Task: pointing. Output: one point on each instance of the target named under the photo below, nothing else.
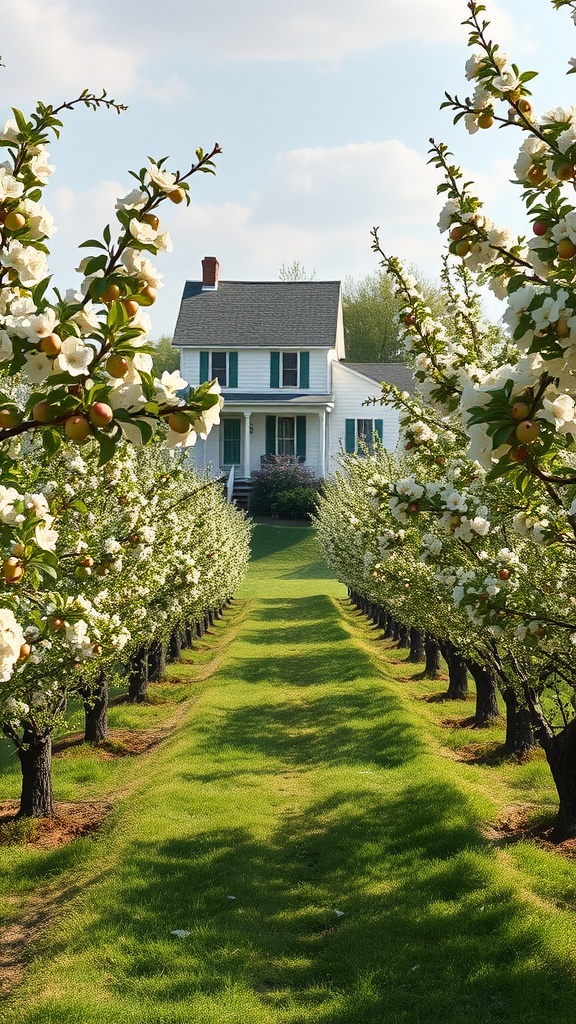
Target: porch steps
(241, 493)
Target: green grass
(309, 781)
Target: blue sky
(323, 109)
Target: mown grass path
(327, 864)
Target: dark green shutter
(274, 369)
(270, 435)
(204, 367)
(301, 438)
(350, 440)
(379, 430)
(232, 369)
(304, 369)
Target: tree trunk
(96, 711)
(403, 636)
(175, 645)
(486, 694)
(416, 645)
(397, 628)
(138, 676)
(560, 753)
(37, 800)
(457, 674)
(156, 661)
(390, 627)
(432, 655)
(520, 738)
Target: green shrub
(281, 474)
(299, 503)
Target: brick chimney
(210, 268)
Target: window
(289, 369)
(286, 436)
(221, 365)
(365, 434)
(362, 435)
(220, 368)
(231, 441)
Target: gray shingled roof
(393, 373)
(259, 314)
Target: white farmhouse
(277, 348)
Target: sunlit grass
(308, 830)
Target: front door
(231, 441)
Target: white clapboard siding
(351, 389)
(254, 369)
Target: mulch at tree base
(518, 822)
(120, 742)
(70, 821)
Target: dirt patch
(70, 821)
(527, 821)
(120, 743)
(458, 723)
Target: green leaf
(145, 428)
(91, 243)
(502, 435)
(51, 441)
(107, 447)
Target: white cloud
(71, 44)
(120, 42)
(347, 185)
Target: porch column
(246, 454)
(322, 421)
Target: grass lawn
(316, 830)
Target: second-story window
(220, 368)
(220, 365)
(289, 369)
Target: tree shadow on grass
(358, 910)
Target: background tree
(371, 322)
(295, 271)
(165, 357)
(371, 319)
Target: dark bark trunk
(432, 656)
(390, 627)
(403, 636)
(397, 628)
(138, 676)
(457, 674)
(520, 738)
(560, 753)
(486, 694)
(199, 628)
(175, 645)
(37, 800)
(96, 711)
(383, 618)
(156, 661)
(416, 645)
(189, 637)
